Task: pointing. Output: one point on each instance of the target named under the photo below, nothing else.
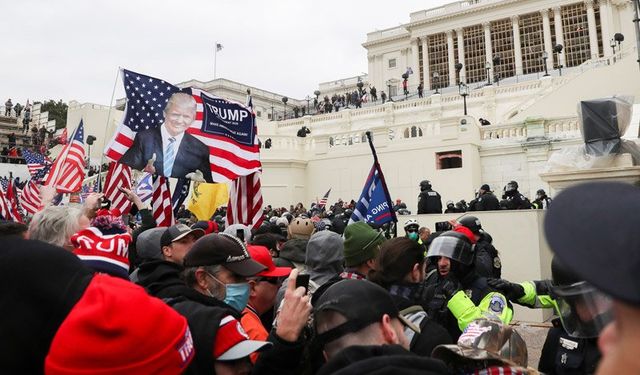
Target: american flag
(90, 188)
(35, 161)
(162, 211)
(67, 172)
(4, 206)
(146, 100)
(118, 176)
(11, 200)
(30, 198)
(323, 201)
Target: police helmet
(541, 192)
(450, 203)
(471, 222)
(425, 184)
(411, 223)
(511, 186)
(452, 245)
(584, 311)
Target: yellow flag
(206, 198)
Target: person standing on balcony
(429, 200)
(7, 107)
(383, 96)
(420, 90)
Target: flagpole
(384, 182)
(106, 129)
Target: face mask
(412, 236)
(237, 296)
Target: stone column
(463, 72)
(557, 21)
(605, 12)
(425, 63)
(373, 72)
(517, 48)
(488, 48)
(414, 79)
(593, 31)
(451, 60)
(546, 28)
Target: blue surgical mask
(237, 296)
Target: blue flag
(374, 204)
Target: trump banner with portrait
(175, 132)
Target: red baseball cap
(233, 343)
(261, 255)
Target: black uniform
(429, 202)
(486, 202)
(487, 261)
(513, 200)
(566, 355)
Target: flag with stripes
(323, 201)
(67, 172)
(226, 127)
(11, 199)
(245, 201)
(4, 206)
(92, 187)
(162, 211)
(30, 197)
(118, 176)
(374, 204)
(35, 161)
(180, 194)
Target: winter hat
(148, 243)
(108, 331)
(39, 285)
(361, 243)
(233, 343)
(325, 254)
(301, 228)
(234, 228)
(109, 221)
(107, 253)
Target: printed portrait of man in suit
(176, 153)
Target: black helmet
(563, 276)
(472, 223)
(425, 184)
(452, 245)
(511, 186)
(584, 310)
(541, 192)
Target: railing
(556, 128)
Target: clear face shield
(584, 310)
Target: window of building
(475, 56)
(502, 43)
(449, 159)
(258, 113)
(532, 43)
(438, 60)
(393, 90)
(575, 28)
(392, 63)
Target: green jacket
(493, 306)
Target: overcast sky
(71, 49)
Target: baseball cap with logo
(223, 249)
(233, 343)
(343, 296)
(177, 232)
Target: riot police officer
(542, 201)
(512, 199)
(459, 295)
(429, 201)
(487, 260)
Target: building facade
(480, 41)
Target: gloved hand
(512, 291)
(450, 286)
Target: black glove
(512, 291)
(450, 286)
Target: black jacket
(162, 279)
(191, 154)
(486, 202)
(380, 360)
(487, 261)
(429, 202)
(565, 355)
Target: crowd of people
(89, 290)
